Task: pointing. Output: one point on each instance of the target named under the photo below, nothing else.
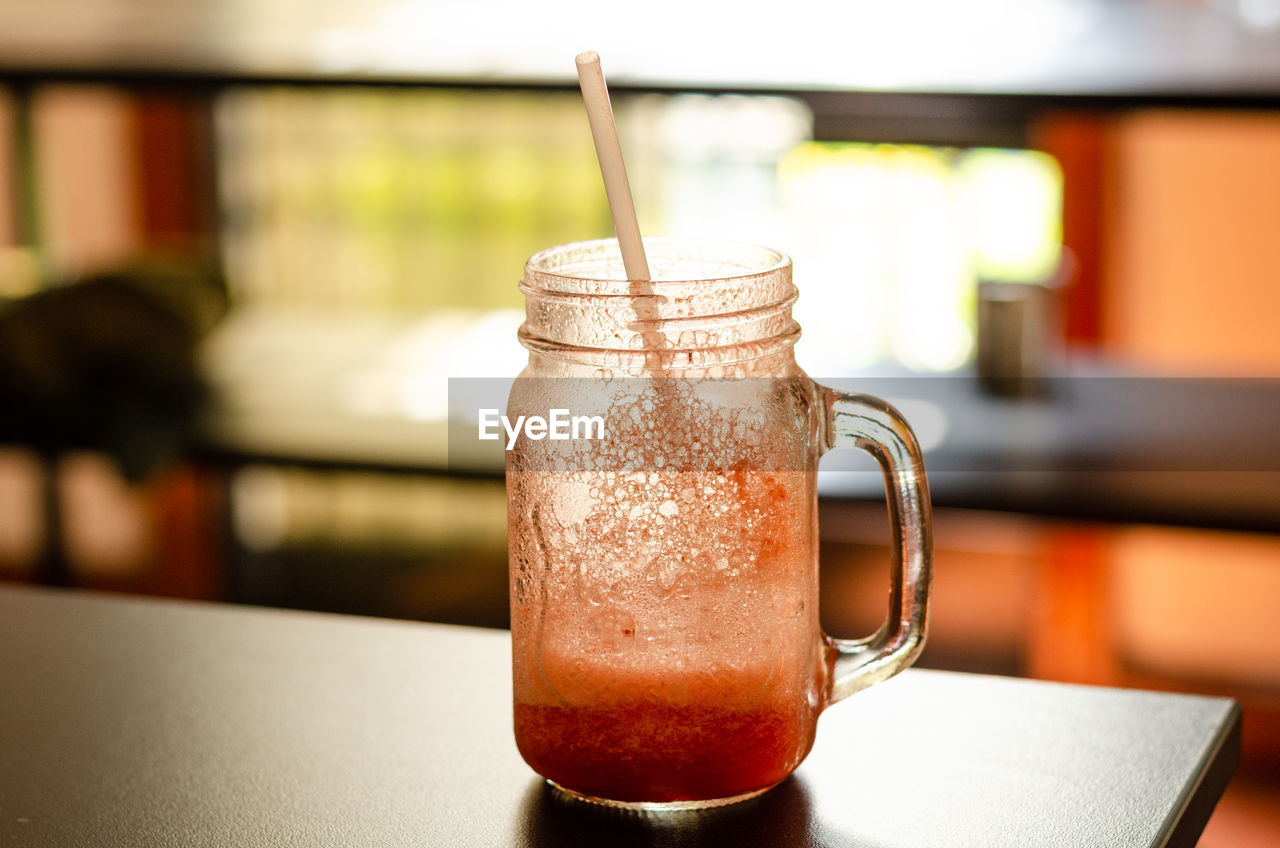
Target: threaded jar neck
(710, 302)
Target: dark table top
(128, 722)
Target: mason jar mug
(663, 534)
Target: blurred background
(240, 258)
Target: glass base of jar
(658, 806)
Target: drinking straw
(605, 134)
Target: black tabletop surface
(129, 722)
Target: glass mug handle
(870, 424)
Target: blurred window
(404, 200)
(419, 200)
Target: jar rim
(707, 295)
(553, 269)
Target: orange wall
(1192, 266)
(86, 176)
(8, 233)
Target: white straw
(609, 152)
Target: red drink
(656, 753)
(656, 734)
(693, 676)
